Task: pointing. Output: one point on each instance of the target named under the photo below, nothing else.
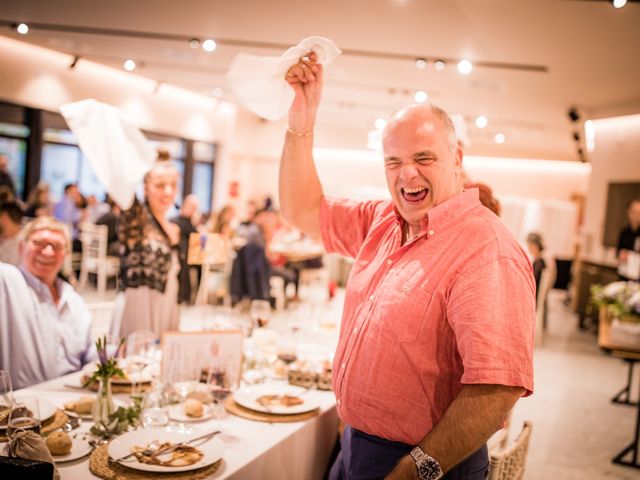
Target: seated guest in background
(10, 222)
(110, 219)
(629, 240)
(5, 176)
(184, 221)
(38, 202)
(486, 196)
(225, 222)
(535, 246)
(95, 209)
(6, 194)
(68, 211)
(45, 325)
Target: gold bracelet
(298, 134)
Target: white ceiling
(589, 52)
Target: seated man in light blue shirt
(44, 324)
(67, 211)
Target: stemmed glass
(140, 346)
(25, 415)
(6, 397)
(260, 312)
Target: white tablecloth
(293, 451)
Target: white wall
(616, 158)
(41, 78)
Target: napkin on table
(117, 150)
(259, 82)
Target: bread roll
(193, 408)
(59, 443)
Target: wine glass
(260, 312)
(140, 345)
(6, 396)
(24, 416)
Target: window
(202, 184)
(13, 144)
(60, 166)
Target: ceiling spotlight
(481, 121)
(74, 62)
(209, 45)
(421, 63)
(421, 96)
(22, 28)
(380, 123)
(129, 65)
(499, 138)
(439, 65)
(619, 3)
(574, 116)
(194, 43)
(465, 66)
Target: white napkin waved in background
(259, 82)
(117, 150)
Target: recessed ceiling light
(465, 66)
(129, 65)
(421, 63)
(421, 96)
(209, 45)
(499, 138)
(439, 65)
(481, 121)
(22, 29)
(194, 43)
(380, 123)
(619, 3)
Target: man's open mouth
(414, 195)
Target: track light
(499, 138)
(619, 3)
(465, 66)
(22, 28)
(129, 65)
(421, 63)
(439, 65)
(209, 45)
(574, 116)
(74, 62)
(481, 121)
(421, 96)
(194, 43)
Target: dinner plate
(145, 375)
(47, 409)
(176, 412)
(212, 449)
(247, 396)
(89, 416)
(79, 448)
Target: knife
(170, 448)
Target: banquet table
(297, 450)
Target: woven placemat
(116, 387)
(234, 408)
(55, 422)
(100, 465)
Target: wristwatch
(428, 467)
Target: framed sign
(213, 357)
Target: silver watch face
(428, 469)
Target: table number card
(212, 357)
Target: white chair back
(509, 464)
(94, 255)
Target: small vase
(104, 406)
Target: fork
(149, 451)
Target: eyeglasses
(42, 244)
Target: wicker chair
(508, 464)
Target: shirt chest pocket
(401, 311)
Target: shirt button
(371, 297)
(431, 232)
(343, 365)
(355, 330)
(338, 402)
(389, 261)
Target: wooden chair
(94, 256)
(509, 463)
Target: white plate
(176, 412)
(122, 445)
(89, 416)
(145, 375)
(79, 448)
(247, 396)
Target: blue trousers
(367, 457)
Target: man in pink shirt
(436, 341)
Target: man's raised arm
(299, 185)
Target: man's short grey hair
(46, 223)
(452, 138)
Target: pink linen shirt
(454, 306)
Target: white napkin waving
(117, 150)
(259, 82)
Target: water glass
(6, 396)
(24, 416)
